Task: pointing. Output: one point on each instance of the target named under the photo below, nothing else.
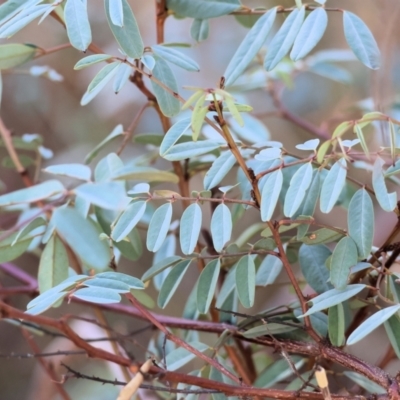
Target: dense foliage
(212, 194)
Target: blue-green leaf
(270, 194)
(190, 228)
(190, 149)
(159, 226)
(174, 134)
(333, 185)
(268, 271)
(249, 47)
(365, 383)
(246, 281)
(128, 220)
(131, 281)
(32, 194)
(219, 169)
(175, 57)
(361, 222)
(169, 104)
(78, 171)
(336, 325)
(97, 295)
(333, 297)
(221, 227)
(372, 323)
(83, 237)
(392, 326)
(179, 357)
(119, 287)
(160, 266)
(128, 35)
(172, 282)
(206, 285)
(116, 12)
(385, 199)
(121, 77)
(343, 258)
(299, 184)
(47, 303)
(312, 262)
(77, 22)
(200, 29)
(310, 33)
(253, 131)
(361, 41)
(203, 9)
(283, 40)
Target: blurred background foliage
(38, 105)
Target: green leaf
(172, 282)
(191, 149)
(207, 284)
(323, 235)
(116, 11)
(312, 263)
(296, 193)
(200, 29)
(219, 169)
(203, 9)
(11, 7)
(122, 75)
(393, 169)
(267, 329)
(131, 281)
(270, 194)
(175, 57)
(32, 225)
(198, 115)
(32, 194)
(108, 195)
(249, 47)
(128, 220)
(146, 174)
(333, 297)
(160, 266)
(77, 23)
(283, 40)
(385, 199)
(365, 383)
(169, 104)
(246, 281)
(159, 226)
(253, 131)
(360, 135)
(268, 271)
(97, 295)
(392, 326)
(372, 323)
(119, 287)
(82, 236)
(336, 325)
(179, 357)
(14, 54)
(221, 226)
(10, 251)
(131, 248)
(333, 185)
(361, 41)
(190, 228)
(78, 171)
(128, 35)
(361, 222)
(343, 258)
(53, 266)
(174, 134)
(310, 33)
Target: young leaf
(336, 325)
(179, 357)
(361, 41)
(97, 295)
(172, 282)
(249, 47)
(268, 271)
(77, 22)
(198, 115)
(78, 171)
(270, 194)
(283, 40)
(128, 220)
(190, 228)
(372, 323)
(385, 199)
(191, 149)
(53, 266)
(361, 222)
(116, 11)
(127, 35)
(221, 227)
(343, 258)
(333, 185)
(169, 104)
(14, 54)
(312, 262)
(175, 57)
(206, 285)
(310, 33)
(83, 237)
(219, 169)
(309, 145)
(333, 297)
(159, 226)
(299, 184)
(246, 281)
(200, 29)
